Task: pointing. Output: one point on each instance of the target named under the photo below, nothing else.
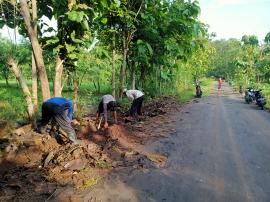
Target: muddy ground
(42, 167)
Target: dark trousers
(54, 112)
(136, 106)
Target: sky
(10, 33)
(235, 18)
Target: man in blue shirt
(60, 110)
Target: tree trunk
(113, 66)
(58, 77)
(133, 76)
(27, 94)
(6, 79)
(95, 85)
(76, 90)
(69, 83)
(160, 80)
(124, 66)
(98, 83)
(34, 83)
(157, 79)
(36, 49)
(34, 66)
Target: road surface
(219, 152)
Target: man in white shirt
(137, 98)
(107, 102)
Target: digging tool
(99, 123)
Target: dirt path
(219, 152)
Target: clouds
(235, 18)
(217, 3)
(231, 2)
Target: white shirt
(107, 98)
(134, 94)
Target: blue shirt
(63, 103)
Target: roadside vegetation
(88, 99)
(245, 62)
(102, 47)
(99, 47)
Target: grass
(189, 93)
(12, 105)
(207, 86)
(186, 95)
(88, 184)
(13, 108)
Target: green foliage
(247, 63)
(267, 38)
(21, 52)
(94, 66)
(165, 43)
(224, 58)
(12, 106)
(250, 40)
(6, 51)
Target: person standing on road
(219, 83)
(60, 110)
(107, 102)
(137, 98)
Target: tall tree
(45, 88)
(250, 40)
(27, 94)
(128, 26)
(34, 67)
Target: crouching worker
(60, 111)
(107, 103)
(137, 98)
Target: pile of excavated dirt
(35, 167)
(156, 119)
(160, 106)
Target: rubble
(39, 162)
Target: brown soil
(35, 167)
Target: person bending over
(107, 103)
(137, 98)
(59, 110)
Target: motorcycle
(260, 99)
(249, 95)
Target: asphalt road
(219, 152)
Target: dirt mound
(40, 162)
(160, 106)
(28, 155)
(3, 127)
